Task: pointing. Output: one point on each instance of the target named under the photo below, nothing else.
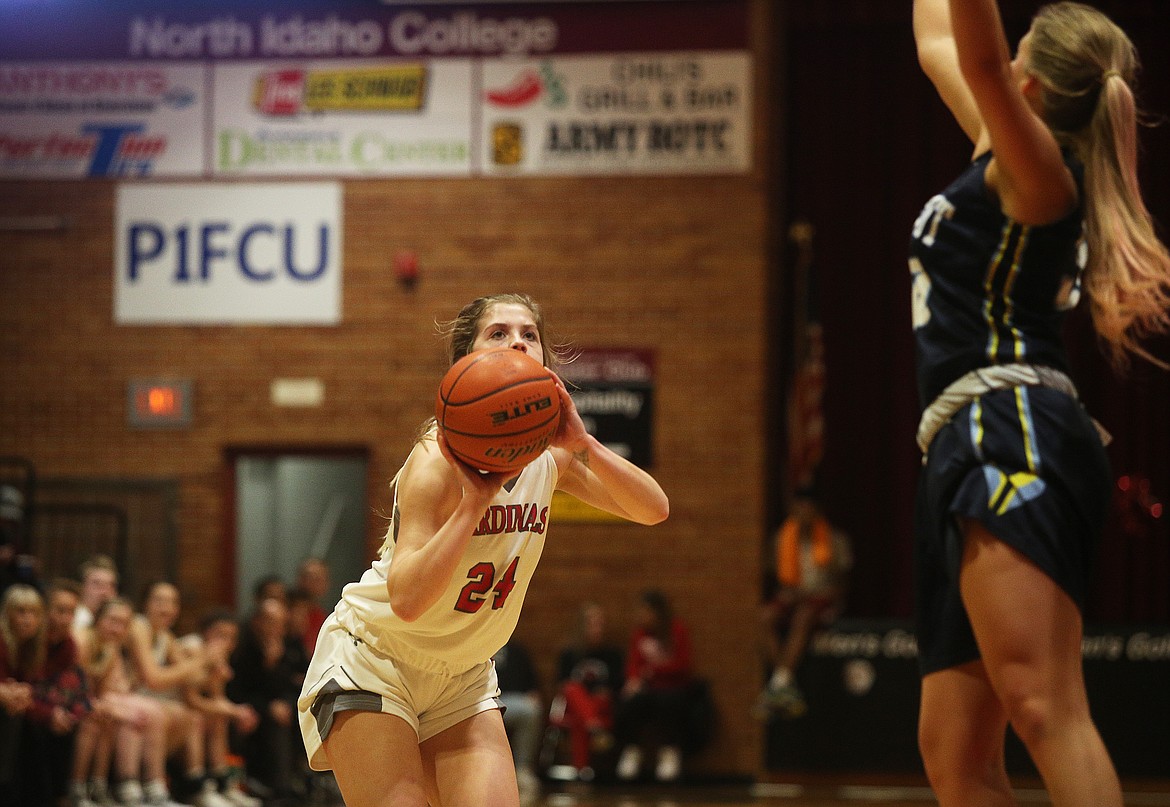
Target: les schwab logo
(287, 93)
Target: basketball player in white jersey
(400, 699)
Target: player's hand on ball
(571, 434)
(480, 483)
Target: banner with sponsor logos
(350, 88)
(344, 118)
(101, 119)
(206, 253)
(629, 113)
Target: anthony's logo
(520, 410)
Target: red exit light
(157, 403)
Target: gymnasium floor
(825, 793)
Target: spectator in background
(269, 667)
(269, 587)
(208, 695)
(42, 690)
(589, 676)
(60, 692)
(161, 672)
(134, 725)
(300, 610)
(23, 779)
(813, 559)
(99, 582)
(656, 694)
(313, 579)
(523, 713)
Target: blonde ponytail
(1128, 276)
(1087, 66)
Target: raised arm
(939, 58)
(598, 476)
(1028, 171)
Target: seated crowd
(101, 703)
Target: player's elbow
(932, 52)
(924, 60)
(658, 513)
(406, 607)
(406, 614)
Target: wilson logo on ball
(508, 456)
(505, 415)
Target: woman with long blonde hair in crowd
(22, 658)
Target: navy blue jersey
(987, 289)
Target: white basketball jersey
(477, 613)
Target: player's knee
(1032, 717)
(1029, 703)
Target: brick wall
(676, 265)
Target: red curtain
(867, 142)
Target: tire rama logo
(286, 93)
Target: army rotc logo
(507, 144)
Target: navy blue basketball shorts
(1028, 463)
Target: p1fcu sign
(228, 254)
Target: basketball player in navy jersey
(400, 699)
(1016, 483)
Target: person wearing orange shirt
(813, 559)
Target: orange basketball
(498, 408)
